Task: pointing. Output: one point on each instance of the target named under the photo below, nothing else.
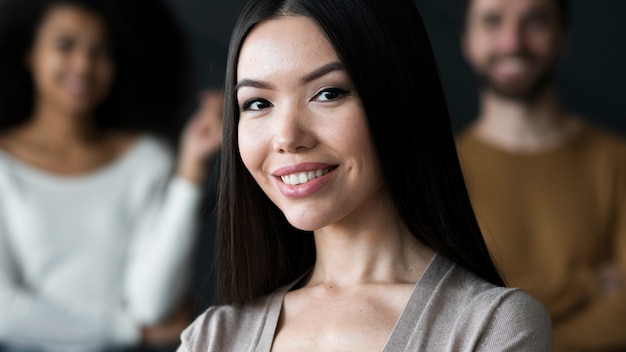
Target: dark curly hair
(149, 51)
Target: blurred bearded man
(548, 187)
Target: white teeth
(303, 177)
(513, 65)
(77, 86)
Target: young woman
(344, 222)
(97, 214)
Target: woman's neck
(64, 144)
(59, 132)
(378, 248)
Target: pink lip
(303, 167)
(302, 190)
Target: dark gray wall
(592, 76)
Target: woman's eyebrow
(315, 74)
(253, 83)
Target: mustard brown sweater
(550, 220)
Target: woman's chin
(304, 224)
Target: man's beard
(526, 93)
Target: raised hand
(202, 137)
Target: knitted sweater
(550, 220)
(85, 261)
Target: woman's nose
(293, 130)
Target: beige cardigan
(450, 309)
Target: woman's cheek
(251, 146)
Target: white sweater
(86, 261)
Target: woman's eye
(330, 94)
(255, 105)
(64, 44)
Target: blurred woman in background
(97, 212)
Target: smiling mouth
(513, 65)
(299, 178)
(78, 87)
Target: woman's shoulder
(510, 319)
(146, 158)
(150, 146)
(494, 317)
(513, 305)
(232, 327)
(477, 296)
(454, 309)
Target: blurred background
(592, 76)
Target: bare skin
(202, 137)
(69, 147)
(354, 309)
(526, 127)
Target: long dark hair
(149, 50)
(386, 52)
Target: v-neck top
(450, 309)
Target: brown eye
(64, 44)
(255, 105)
(330, 94)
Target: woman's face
(303, 134)
(70, 61)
